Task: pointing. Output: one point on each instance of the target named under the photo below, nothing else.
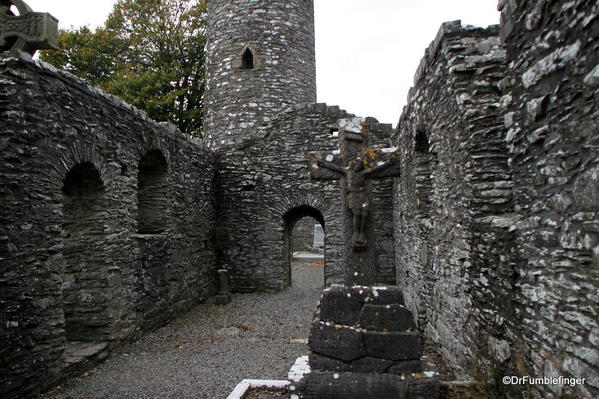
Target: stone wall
(455, 189)
(495, 210)
(264, 188)
(107, 224)
(551, 124)
(278, 35)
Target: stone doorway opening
(85, 288)
(304, 238)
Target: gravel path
(207, 351)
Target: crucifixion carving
(29, 31)
(356, 176)
(357, 164)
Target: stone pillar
(223, 297)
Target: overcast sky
(367, 51)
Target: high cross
(29, 31)
(356, 165)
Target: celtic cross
(29, 31)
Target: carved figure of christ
(356, 177)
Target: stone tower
(259, 60)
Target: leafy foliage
(150, 53)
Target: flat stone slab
(76, 352)
(393, 345)
(362, 365)
(329, 385)
(338, 342)
(393, 317)
(307, 257)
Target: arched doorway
(296, 217)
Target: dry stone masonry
(264, 188)
(107, 224)
(486, 239)
(494, 212)
(260, 60)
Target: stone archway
(290, 218)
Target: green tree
(150, 53)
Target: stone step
(81, 356)
(341, 385)
(342, 304)
(365, 365)
(348, 343)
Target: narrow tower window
(247, 59)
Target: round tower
(259, 60)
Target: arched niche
(85, 291)
(152, 193)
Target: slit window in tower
(247, 59)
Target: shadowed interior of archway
(290, 219)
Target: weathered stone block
(386, 295)
(386, 318)
(324, 363)
(338, 342)
(393, 345)
(370, 365)
(318, 385)
(341, 305)
(406, 367)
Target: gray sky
(367, 51)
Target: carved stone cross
(356, 164)
(29, 31)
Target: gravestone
(318, 240)
(29, 31)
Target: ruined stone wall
(551, 130)
(264, 187)
(280, 36)
(453, 199)
(495, 210)
(77, 260)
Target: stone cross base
(329, 385)
(366, 335)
